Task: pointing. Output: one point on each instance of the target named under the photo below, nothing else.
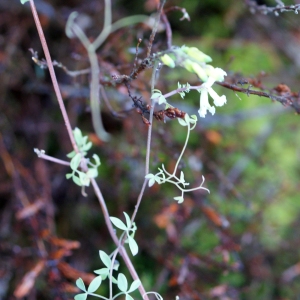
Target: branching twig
(291, 99)
(154, 30)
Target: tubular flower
(216, 74)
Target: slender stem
(111, 271)
(52, 74)
(117, 25)
(154, 30)
(94, 84)
(106, 26)
(95, 96)
(114, 237)
(53, 159)
(153, 101)
(107, 14)
(168, 30)
(183, 149)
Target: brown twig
(154, 30)
(290, 99)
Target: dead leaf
(30, 210)
(28, 280)
(73, 274)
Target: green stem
(95, 96)
(184, 147)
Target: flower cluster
(195, 61)
(217, 74)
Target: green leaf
(156, 95)
(151, 178)
(84, 179)
(24, 1)
(134, 286)
(80, 284)
(77, 136)
(94, 285)
(193, 119)
(114, 280)
(128, 221)
(128, 297)
(105, 259)
(75, 161)
(87, 146)
(76, 180)
(182, 122)
(71, 154)
(69, 175)
(92, 173)
(158, 179)
(180, 199)
(102, 271)
(162, 100)
(97, 160)
(122, 282)
(134, 248)
(118, 223)
(81, 296)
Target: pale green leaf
(71, 154)
(102, 271)
(151, 178)
(134, 286)
(94, 285)
(155, 95)
(118, 223)
(92, 173)
(69, 175)
(81, 296)
(122, 282)
(97, 160)
(161, 100)
(182, 122)
(128, 297)
(151, 182)
(134, 248)
(105, 259)
(77, 136)
(76, 180)
(128, 221)
(114, 280)
(80, 284)
(180, 199)
(24, 1)
(87, 146)
(75, 161)
(84, 179)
